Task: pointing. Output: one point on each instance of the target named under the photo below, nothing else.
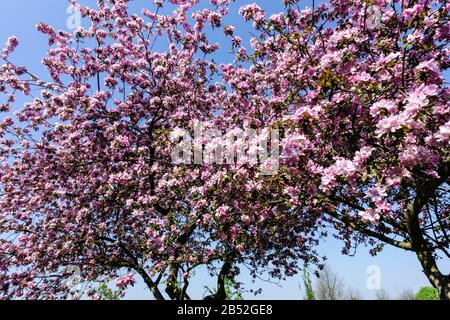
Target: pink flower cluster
(10, 46)
(125, 281)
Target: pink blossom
(292, 148)
(222, 213)
(253, 12)
(444, 133)
(160, 70)
(391, 124)
(123, 141)
(361, 156)
(293, 194)
(206, 218)
(369, 215)
(378, 107)
(382, 206)
(125, 281)
(410, 13)
(376, 193)
(228, 30)
(10, 46)
(431, 67)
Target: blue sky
(399, 270)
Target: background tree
(329, 286)
(353, 295)
(382, 294)
(407, 294)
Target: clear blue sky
(399, 270)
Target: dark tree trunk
(444, 288)
(437, 279)
(423, 251)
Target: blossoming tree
(88, 188)
(359, 91)
(356, 89)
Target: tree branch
(371, 233)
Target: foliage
(106, 293)
(232, 290)
(427, 293)
(309, 291)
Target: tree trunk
(437, 279)
(444, 288)
(150, 283)
(424, 252)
